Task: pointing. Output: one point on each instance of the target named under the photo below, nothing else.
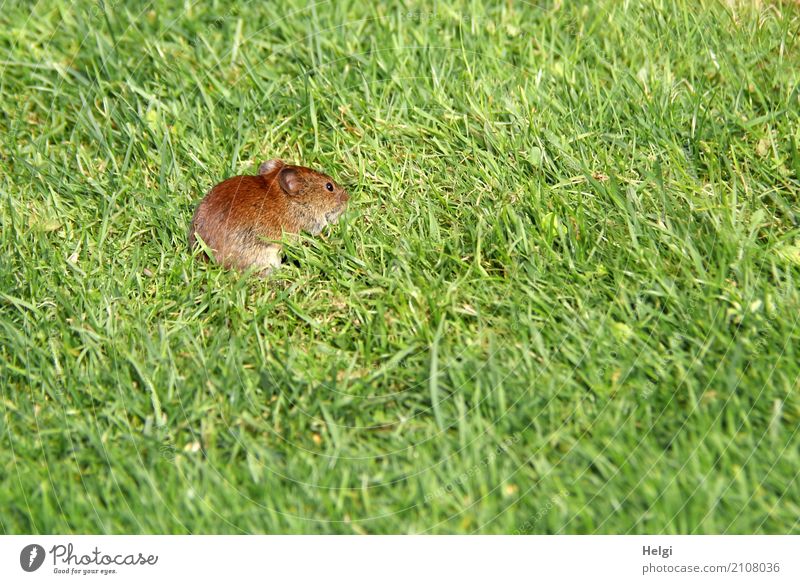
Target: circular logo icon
(31, 557)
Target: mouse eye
(329, 186)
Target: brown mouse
(242, 218)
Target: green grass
(564, 298)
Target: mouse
(243, 218)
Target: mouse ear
(270, 165)
(290, 180)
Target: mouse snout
(339, 205)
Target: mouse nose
(344, 197)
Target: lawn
(564, 298)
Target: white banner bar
(400, 559)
